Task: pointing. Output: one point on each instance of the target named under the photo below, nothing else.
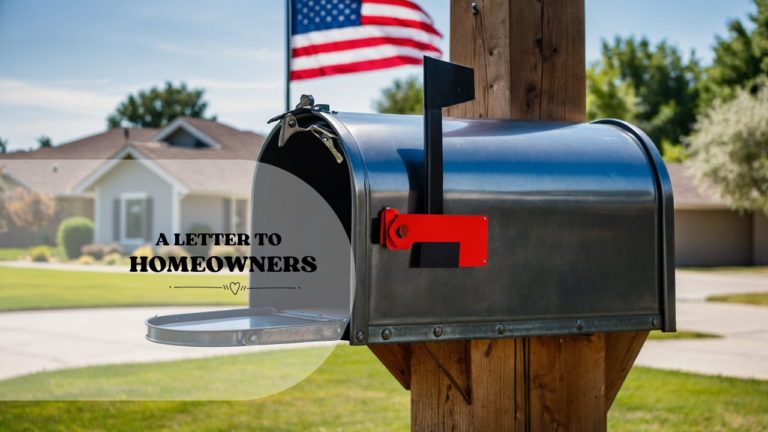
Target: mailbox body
(580, 228)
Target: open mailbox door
(300, 264)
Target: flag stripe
(387, 21)
(362, 32)
(360, 54)
(401, 3)
(361, 66)
(361, 43)
(380, 10)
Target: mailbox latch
(456, 241)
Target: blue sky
(64, 66)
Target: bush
(172, 251)
(113, 259)
(40, 254)
(114, 248)
(86, 259)
(143, 251)
(97, 251)
(225, 251)
(74, 233)
(199, 250)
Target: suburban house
(137, 183)
(708, 233)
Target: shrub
(224, 251)
(40, 254)
(113, 259)
(112, 249)
(97, 251)
(74, 233)
(143, 251)
(172, 251)
(199, 250)
(86, 259)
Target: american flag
(330, 37)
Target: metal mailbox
(575, 223)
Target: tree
(729, 150)
(44, 141)
(158, 107)
(402, 97)
(740, 60)
(30, 209)
(654, 87)
(3, 146)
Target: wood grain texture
(436, 405)
(563, 84)
(493, 384)
(525, 59)
(621, 350)
(397, 359)
(567, 383)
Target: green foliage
(608, 96)
(3, 145)
(112, 259)
(760, 299)
(143, 251)
(158, 107)
(199, 250)
(86, 260)
(673, 153)
(402, 97)
(40, 254)
(653, 87)
(172, 251)
(95, 250)
(729, 150)
(45, 141)
(740, 59)
(74, 233)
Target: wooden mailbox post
(528, 57)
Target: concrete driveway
(742, 352)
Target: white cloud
(15, 93)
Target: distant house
(137, 183)
(709, 233)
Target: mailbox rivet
(292, 123)
(579, 325)
(654, 322)
(501, 329)
(437, 331)
(360, 336)
(386, 334)
(402, 231)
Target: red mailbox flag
(330, 37)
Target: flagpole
(287, 55)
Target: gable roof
(687, 195)
(76, 160)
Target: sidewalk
(34, 341)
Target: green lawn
(234, 377)
(353, 391)
(737, 269)
(755, 299)
(657, 335)
(45, 289)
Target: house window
(241, 216)
(134, 211)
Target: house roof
(687, 195)
(58, 170)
